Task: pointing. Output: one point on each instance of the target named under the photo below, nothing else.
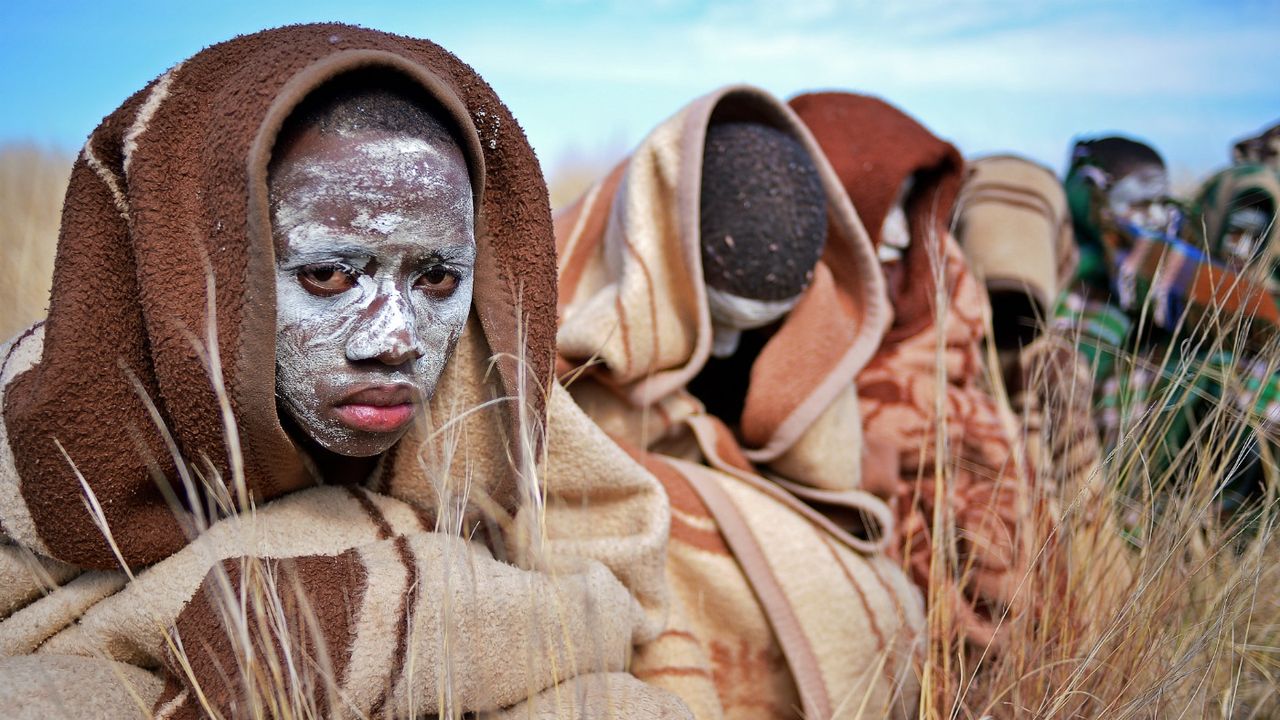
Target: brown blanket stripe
(402, 621)
(746, 549)
(379, 520)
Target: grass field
(32, 181)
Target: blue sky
(590, 78)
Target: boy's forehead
(327, 187)
(373, 150)
(337, 174)
(1144, 182)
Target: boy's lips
(377, 408)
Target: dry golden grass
(573, 173)
(32, 183)
(1145, 601)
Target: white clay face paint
(387, 221)
(1140, 198)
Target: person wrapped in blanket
(269, 455)
(939, 444)
(1170, 323)
(1014, 226)
(1236, 210)
(718, 296)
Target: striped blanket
(1173, 283)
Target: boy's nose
(387, 335)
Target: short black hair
(1115, 155)
(763, 212)
(371, 100)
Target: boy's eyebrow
(342, 251)
(450, 251)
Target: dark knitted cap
(763, 212)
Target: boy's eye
(327, 280)
(437, 281)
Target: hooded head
(903, 181)
(649, 285)
(183, 282)
(1013, 225)
(1261, 149)
(1118, 190)
(1237, 210)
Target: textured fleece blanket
(505, 557)
(781, 601)
(942, 445)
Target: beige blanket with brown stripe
(777, 609)
(1013, 224)
(775, 613)
(393, 614)
(1016, 232)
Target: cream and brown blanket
(782, 603)
(1016, 231)
(162, 547)
(942, 444)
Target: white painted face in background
(1141, 200)
(375, 244)
(1244, 244)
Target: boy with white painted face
(1118, 191)
(274, 258)
(375, 250)
(1161, 311)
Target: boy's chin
(352, 443)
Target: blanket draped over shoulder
(938, 440)
(162, 547)
(781, 602)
